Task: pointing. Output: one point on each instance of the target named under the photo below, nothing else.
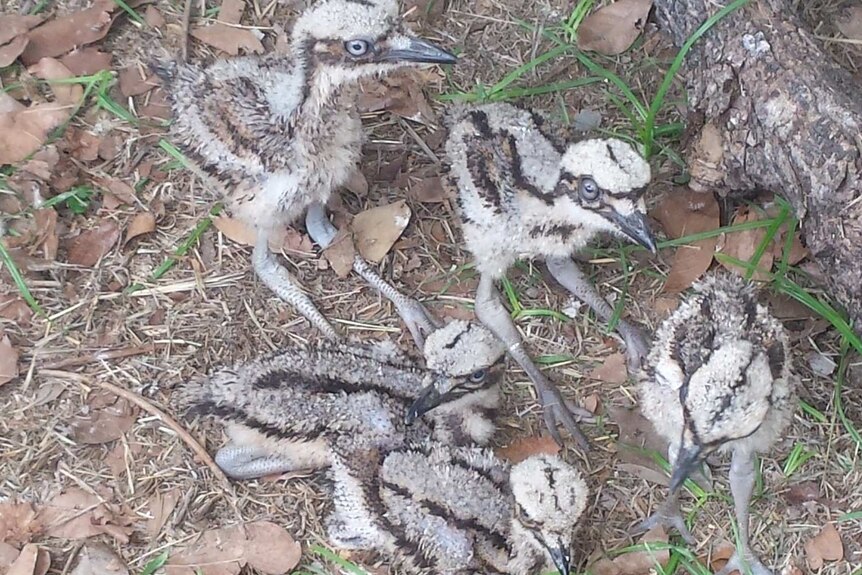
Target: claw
(419, 322)
(636, 347)
(751, 564)
(668, 516)
(555, 409)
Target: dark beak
(636, 228)
(560, 557)
(417, 50)
(686, 462)
(427, 400)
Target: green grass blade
(18, 280)
(128, 10)
(767, 240)
(154, 564)
(330, 556)
(843, 364)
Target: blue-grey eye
(478, 376)
(588, 189)
(356, 47)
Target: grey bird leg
(278, 279)
(741, 486)
(412, 313)
(668, 516)
(250, 462)
(573, 279)
(490, 311)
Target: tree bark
(772, 111)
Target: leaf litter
(98, 559)
(376, 230)
(89, 247)
(612, 29)
(108, 418)
(224, 35)
(77, 514)
(825, 546)
(523, 448)
(33, 560)
(8, 360)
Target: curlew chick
(442, 509)
(283, 412)
(523, 195)
(718, 378)
(277, 134)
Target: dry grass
(210, 311)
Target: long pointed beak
(412, 49)
(635, 226)
(427, 400)
(686, 462)
(560, 557)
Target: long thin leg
(413, 313)
(277, 278)
(250, 462)
(573, 279)
(741, 486)
(490, 311)
(669, 514)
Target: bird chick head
(726, 399)
(349, 39)
(468, 356)
(550, 496)
(604, 181)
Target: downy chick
(435, 508)
(521, 195)
(275, 135)
(283, 412)
(718, 378)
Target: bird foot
(668, 517)
(557, 410)
(636, 347)
(746, 564)
(418, 320)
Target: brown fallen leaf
(8, 555)
(825, 546)
(357, 183)
(33, 560)
(720, 555)
(642, 562)
(376, 230)
(98, 559)
(742, 245)
(86, 61)
(592, 403)
(61, 35)
(24, 130)
(341, 253)
(133, 83)
(46, 232)
(12, 25)
(611, 30)
(103, 423)
(120, 189)
(142, 223)
(228, 39)
(10, 52)
(612, 370)
(231, 11)
(797, 251)
(521, 449)
(849, 22)
(428, 190)
(8, 360)
(161, 507)
(16, 309)
(681, 213)
(636, 435)
(83, 145)
(17, 522)
(88, 248)
(154, 17)
(261, 544)
(286, 239)
(76, 514)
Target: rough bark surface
(776, 113)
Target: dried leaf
(89, 247)
(120, 189)
(261, 544)
(17, 522)
(357, 183)
(86, 61)
(12, 25)
(161, 507)
(61, 35)
(142, 223)
(8, 360)
(424, 10)
(46, 232)
(803, 492)
(612, 29)
(636, 435)
(682, 213)
(849, 23)
(612, 370)
(16, 309)
(10, 52)
(133, 83)
(742, 245)
(341, 253)
(23, 132)
(8, 555)
(103, 424)
(825, 546)
(645, 473)
(642, 562)
(428, 190)
(76, 514)
(32, 560)
(592, 403)
(721, 555)
(228, 39)
(231, 11)
(376, 230)
(83, 145)
(521, 449)
(154, 18)
(99, 559)
(286, 239)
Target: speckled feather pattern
(505, 167)
(732, 360)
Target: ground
(209, 310)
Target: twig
(101, 355)
(184, 44)
(147, 406)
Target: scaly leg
(277, 278)
(490, 311)
(250, 462)
(669, 514)
(413, 313)
(741, 486)
(573, 279)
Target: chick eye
(588, 189)
(478, 376)
(356, 47)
